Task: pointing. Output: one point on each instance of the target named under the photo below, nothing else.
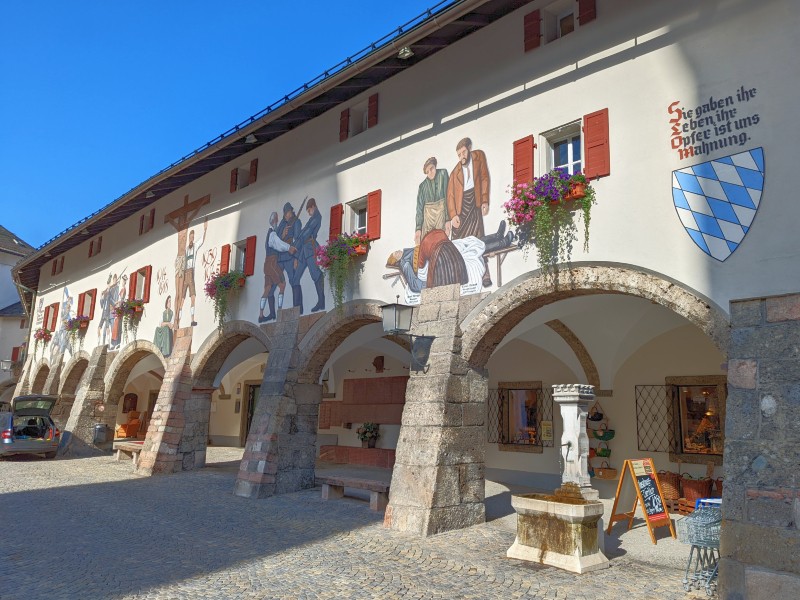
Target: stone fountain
(564, 529)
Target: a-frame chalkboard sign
(648, 492)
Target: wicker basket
(670, 484)
(695, 488)
(604, 471)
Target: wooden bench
(333, 489)
(129, 450)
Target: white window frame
(552, 16)
(359, 114)
(243, 176)
(239, 255)
(563, 133)
(354, 208)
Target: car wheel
(50, 454)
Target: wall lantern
(6, 364)
(397, 318)
(397, 321)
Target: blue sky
(96, 97)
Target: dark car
(26, 426)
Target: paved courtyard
(89, 528)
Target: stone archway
(42, 370)
(491, 320)
(124, 363)
(330, 331)
(212, 353)
(72, 372)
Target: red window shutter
(374, 215)
(81, 300)
(148, 271)
(15, 354)
(587, 11)
(225, 259)
(91, 249)
(596, 144)
(234, 180)
(532, 26)
(523, 160)
(344, 125)
(141, 225)
(253, 171)
(152, 219)
(250, 256)
(99, 244)
(46, 320)
(53, 266)
(132, 286)
(60, 264)
(372, 111)
(337, 211)
(54, 316)
(91, 306)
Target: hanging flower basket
(221, 288)
(76, 328)
(130, 311)
(41, 336)
(541, 213)
(336, 258)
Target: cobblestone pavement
(89, 528)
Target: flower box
(138, 309)
(83, 325)
(576, 191)
(240, 282)
(360, 249)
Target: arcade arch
(72, 374)
(39, 380)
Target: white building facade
(692, 266)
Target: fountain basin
(559, 531)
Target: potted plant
(41, 336)
(336, 257)
(368, 434)
(220, 288)
(130, 311)
(541, 213)
(74, 327)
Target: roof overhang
(437, 28)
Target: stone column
(280, 450)
(574, 401)
(760, 543)
(438, 478)
(24, 384)
(171, 444)
(53, 377)
(77, 439)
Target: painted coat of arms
(717, 200)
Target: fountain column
(574, 401)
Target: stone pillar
(280, 450)
(24, 384)
(438, 477)
(760, 545)
(574, 401)
(53, 377)
(171, 444)
(77, 439)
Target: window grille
(501, 404)
(655, 418)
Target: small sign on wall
(546, 431)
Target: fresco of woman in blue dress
(163, 336)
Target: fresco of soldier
(432, 201)
(108, 299)
(273, 275)
(289, 231)
(305, 258)
(468, 196)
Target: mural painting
(450, 243)
(290, 249)
(163, 335)
(109, 297)
(60, 341)
(188, 254)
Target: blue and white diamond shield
(717, 200)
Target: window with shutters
(244, 175)
(357, 215)
(86, 302)
(358, 118)
(565, 149)
(556, 20)
(50, 320)
(140, 284)
(23, 323)
(244, 255)
(147, 221)
(57, 266)
(95, 246)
